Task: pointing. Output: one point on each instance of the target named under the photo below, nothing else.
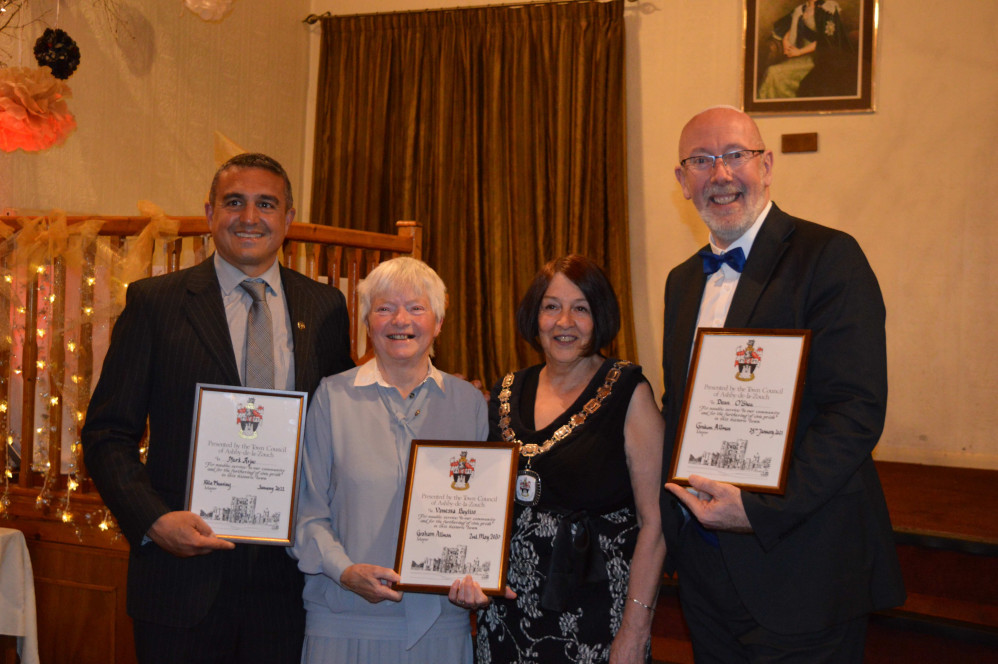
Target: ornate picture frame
(809, 56)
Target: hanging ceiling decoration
(57, 51)
(33, 111)
(209, 10)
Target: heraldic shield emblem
(747, 359)
(462, 469)
(248, 417)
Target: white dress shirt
(720, 287)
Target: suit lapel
(693, 280)
(299, 313)
(767, 249)
(206, 314)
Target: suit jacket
(172, 335)
(823, 552)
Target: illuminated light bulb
(40, 364)
(20, 310)
(40, 332)
(9, 474)
(67, 517)
(39, 430)
(103, 525)
(91, 281)
(54, 401)
(9, 279)
(17, 372)
(88, 311)
(3, 406)
(75, 379)
(72, 485)
(52, 297)
(40, 269)
(71, 346)
(79, 415)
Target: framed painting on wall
(809, 56)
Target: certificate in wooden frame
(457, 515)
(242, 476)
(740, 411)
(836, 77)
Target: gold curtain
(501, 130)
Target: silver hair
(399, 275)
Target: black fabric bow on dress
(576, 560)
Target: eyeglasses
(733, 160)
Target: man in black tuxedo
(194, 597)
(793, 577)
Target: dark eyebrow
(267, 198)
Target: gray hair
(399, 275)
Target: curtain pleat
(501, 130)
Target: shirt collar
(230, 276)
(370, 374)
(748, 237)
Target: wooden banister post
(414, 230)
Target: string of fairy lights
(53, 328)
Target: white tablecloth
(17, 595)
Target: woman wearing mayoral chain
(587, 545)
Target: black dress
(569, 604)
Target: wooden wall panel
(80, 599)
(78, 621)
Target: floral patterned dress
(570, 553)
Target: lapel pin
(301, 325)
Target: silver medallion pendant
(528, 487)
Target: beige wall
(151, 91)
(915, 182)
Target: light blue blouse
(356, 457)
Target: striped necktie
(258, 370)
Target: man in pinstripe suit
(192, 596)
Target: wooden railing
(338, 256)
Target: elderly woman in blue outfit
(357, 437)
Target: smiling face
(249, 218)
(728, 201)
(565, 321)
(402, 326)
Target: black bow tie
(712, 262)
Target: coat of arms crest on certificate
(461, 471)
(248, 417)
(747, 359)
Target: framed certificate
(740, 410)
(456, 515)
(242, 477)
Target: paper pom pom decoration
(57, 51)
(209, 10)
(33, 111)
